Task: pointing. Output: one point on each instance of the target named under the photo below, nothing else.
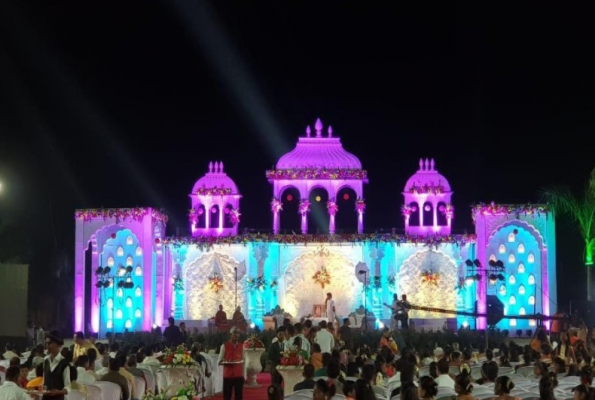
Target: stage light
(252, 325)
(465, 324)
(380, 325)
(469, 280)
(155, 326)
(361, 272)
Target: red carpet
(260, 393)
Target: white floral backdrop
(441, 296)
(201, 302)
(302, 293)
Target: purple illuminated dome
(319, 152)
(318, 162)
(215, 204)
(427, 209)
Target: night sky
(122, 104)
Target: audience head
(586, 375)
(428, 388)
(409, 391)
(308, 372)
(114, 364)
(503, 385)
(333, 369)
(443, 366)
(326, 358)
(583, 392)
(463, 383)
(433, 369)
(323, 390)
(79, 338)
(363, 390)
(349, 389)
(547, 384)
(132, 363)
(82, 361)
(14, 362)
(12, 373)
(275, 392)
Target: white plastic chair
(109, 390)
(525, 371)
(150, 378)
(140, 386)
(304, 392)
(93, 392)
(75, 395)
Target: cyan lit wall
(521, 291)
(122, 308)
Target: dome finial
(421, 164)
(318, 126)
(432, 164)
(221, 166)
(308, 131)
(210, 167)
(216, 167)
(426, 164)
(330, 131)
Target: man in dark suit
(275, 351)
(172, 334)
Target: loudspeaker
(495, 310)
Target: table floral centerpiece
(178, 357)
(187, 392)
(253, 343)
(292, 358)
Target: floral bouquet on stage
(291, 358)
(253, 343)
(179, 357)
(430, 278)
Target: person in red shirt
(232, 357)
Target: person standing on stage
(232, 357)
(394, 318)
(406, 306)
(329, 303)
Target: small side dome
(215, 182)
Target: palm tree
(582, 211)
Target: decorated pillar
(406, 210)
(449, 211)
(168, 283)
(159, 278)
(79, 279)
(304, 209)
(276, 208)
(360, 208)
(207, 214)
(94, 295)
(376, 254)
(332, 208)
(545, 300)
(221, 212)
(435, 213)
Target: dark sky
(119, 104)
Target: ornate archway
(440, 294)
(200, 301)
(302, 292)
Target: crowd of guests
(333, 366)
(55, 369)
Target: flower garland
(253, 343)
(430, 277)
(177, 357)
(360, 206)
(276, 206)
(274, 284)
(136, 214)
(332, 207)
(258, 283)
(315, 173)
(178, 284)
(322, 277)
(207, 242)
(215, 191)
(215, 283)
(510, 209)
(426, 189)
(234, 216)
(407, 210)
(304, 207)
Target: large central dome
(319, 152)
